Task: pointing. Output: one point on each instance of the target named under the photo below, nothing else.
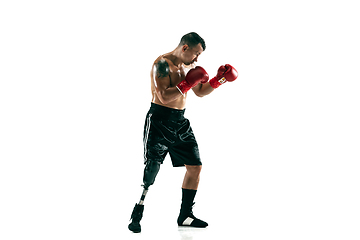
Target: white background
(280, 145)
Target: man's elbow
(163, 99)
(199, 94)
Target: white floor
(285, 206)
(170, 231)
(252, 221)
(252, 199)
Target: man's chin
(189, 64)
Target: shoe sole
(134, 230)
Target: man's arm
(225, 74)
(202, 90)
(161, 78)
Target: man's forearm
(202, 90)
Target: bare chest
(176, 76)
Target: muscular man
(166, 129)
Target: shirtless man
(166, 129)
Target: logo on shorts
(222, 80)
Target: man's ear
(185, 47)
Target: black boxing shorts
(166, 130)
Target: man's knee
(193, 170)
(151, 170)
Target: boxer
(167, 131)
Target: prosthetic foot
(187, 218)
(136, 217)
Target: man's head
(192, 45)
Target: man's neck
(175, 57)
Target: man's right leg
(150, 172)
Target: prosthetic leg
(151, 170)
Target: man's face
(190, 55)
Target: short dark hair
(192, 39)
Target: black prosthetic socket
(151, 170)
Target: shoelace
(190, 211)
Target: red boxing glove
(193, 77)
(225, 74)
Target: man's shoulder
(162, 67)
(163, 59)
